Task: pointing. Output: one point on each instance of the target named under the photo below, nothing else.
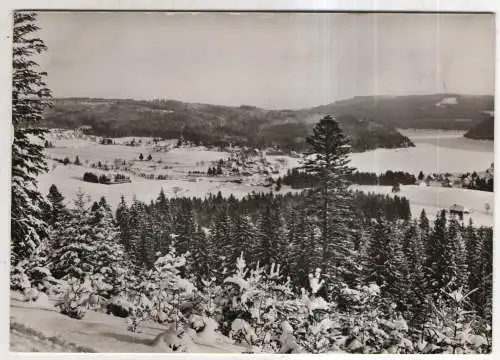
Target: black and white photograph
(254, 182)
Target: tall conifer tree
(331, 201)
(30, 97)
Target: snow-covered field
(435, 151)
(433, 199)
(176, 163)
(68, 181)
(39, 327)
(181, 159)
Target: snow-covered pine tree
(105, 206)
(184, 228)
(255, 305)
(30, 97)
(305, 250)
(471, 244)
(136, 217)
(435, 267)
(271, 236)
(398, 281)
(200, 254)
(55, 209)
(244, 237)
(86, 244)
(452, 327)
(370, 323)
(424, 227)
(454, 256)
(96, 212)
(446, 259)
(379, 252)
(474, 250)
(150, 239)
(330, 200)
(33, 273)
(163, 206)
(481, 276)
(163, 291)
(108, 258)
(414, 251)
(72, 242)
(222, 244)
(165, 220)
(123, 219)
(387, 265)
(293, 241)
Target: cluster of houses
(248, 162)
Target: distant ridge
(213, 124)
(416, 111)
(369, 121)
(485, 130)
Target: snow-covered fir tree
(244, 238)
(221, 243)
(55, 209)
(30, 97)
(271, 236)
(330, 200)
(88, 244)
(414, 250)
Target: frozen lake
(436, 151)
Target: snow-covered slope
(40, 327)
(433, 199)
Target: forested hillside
(211, 124)
(369, 121)
(436, 111)
(484, 130)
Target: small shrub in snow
(72, 303)
(259, 302)
(452, 328)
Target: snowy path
(41, 328)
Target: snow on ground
(435, 152)
(25, 339)
(195, 158)
(43, 328)
(68, 181)
(433, 199)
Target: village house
(458, 210)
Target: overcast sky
(267, 60)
